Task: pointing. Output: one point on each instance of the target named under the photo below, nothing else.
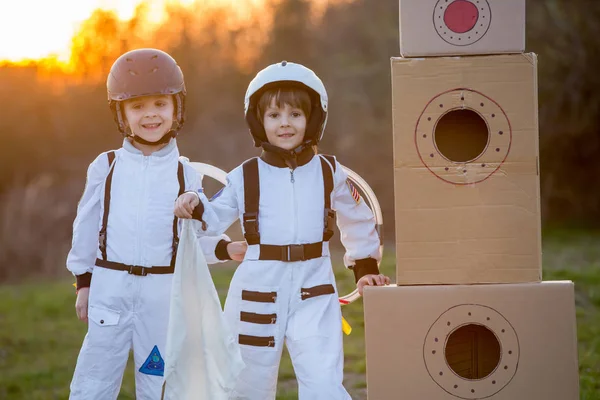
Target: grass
(40, 336)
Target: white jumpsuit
(272, 301)
(128, 312)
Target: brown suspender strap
(251, 199)
(328, 214)
(111, 157)
(102, 236)
(107, 188)
(251, 204)
(331, 160)
(181, 180)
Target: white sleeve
(84, 246)
(208, 244)
(222, 209)
(207, 240)
(355, 221)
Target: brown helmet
(145, 72)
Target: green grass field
(40, 335)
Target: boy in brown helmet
(125, 235)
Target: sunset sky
(33, 29)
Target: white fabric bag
(203, 358)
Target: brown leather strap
(254, 318)
(84, 280)
(328, 183)
(259, 297)
(307, 293)
(134, 269)
(175, 243)
(291, 252)
(365, 266)
(251, 201)
(107, 189)
(102, 234)
(258, 341)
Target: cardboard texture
(460, 27)
(466, 184)
(448, 342)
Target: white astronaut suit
(284, 290)
(271, 300)
(128, 305)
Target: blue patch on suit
(217, 194)
(200, 190)
(154, 364)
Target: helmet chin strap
(164, 139)
(290, 157)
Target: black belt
(291, 252)
(134, 269)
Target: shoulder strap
(251, 200)
(252, 197)
(111, 157)
(331, 160)
(181, 180)
(329, 214)
(107, 187)
(102, 237)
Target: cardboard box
(466, 184)
(460, 27)
(448, 342)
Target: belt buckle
(295, 252)
(250, 222)
(137, 270)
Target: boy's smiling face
(285, 126)
(150, 117)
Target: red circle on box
(461, 16)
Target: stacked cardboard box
(470, 317)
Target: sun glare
(49, 33)
(38, 29)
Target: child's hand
(185, 204)
(372, 280)
(81, 304)
(237, 250)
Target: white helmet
(287, 74)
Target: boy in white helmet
(286, 200)
(125, 235)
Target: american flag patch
(353, 191)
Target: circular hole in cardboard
(472, 351)
(461, 135)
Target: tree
(291, 36)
